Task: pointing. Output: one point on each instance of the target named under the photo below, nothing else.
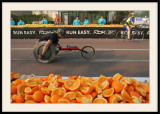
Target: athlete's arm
(133, 23)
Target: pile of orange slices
(79, 89)
(52, 25)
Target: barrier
(73, 32)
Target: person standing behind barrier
(12, 21)
(145, 21)
(57, 20)
(44, 21)
(86, 21)
(76, 21)
(20, 22)
(102, 20)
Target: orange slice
(135, 83)
(146, 88)
(68, 83)
(20, 89)
(57, 76)
(15, 75)
(13, 97)
(84, 99)
(93, 94)
(117, 77)
(147, 96)
(108, 92)
(63, 100)
(52, 87)
(19, 99)
(101, 79)
(14, 89)
(30, 83)
(47, 99)
(84, 82)
(100, 100)
(98, 88)
(126, 80)
(125, 85)
(105, 85)
(54, 98)
(130, 88)
(38, 96)
(12, 75)
(58, 91)
(50, 76)
(125, 95)
(28, 90)
(30, 101)
(86, 90)
(17, 82)
(78, 94)
(110, 80)
(45, 90)
(115, 98)
(117, 86)
(46, 83)
(141, 91)
(70, 95)
(133, 93)
(28, 97)
(73, 101)
(76, 85)
(61, 81)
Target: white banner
(139, 20)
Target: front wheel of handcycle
(88, 52)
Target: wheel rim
(88, 52)
(47, 53)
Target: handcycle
(122, 36)
(87, 52)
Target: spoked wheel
(121, 36)
(88, 52)
(48, 56)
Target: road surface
(129, 58)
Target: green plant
(28, 19)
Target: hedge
(28, 19)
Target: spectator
(86, 21)
(12, 21)
(102, 20)
(76, 21)
(57, 20)
(20, 22)
(145, 20)
(44, 21)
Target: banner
(74, 32)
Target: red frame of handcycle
(60, 48)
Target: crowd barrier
(73, 32)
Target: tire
(120, 37)
(48, 56)
(91, 52)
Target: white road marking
(100, 49)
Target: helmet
(61, 31)
(133, 13)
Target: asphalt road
(129, 58)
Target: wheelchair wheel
(88, 52)
(48, 56)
